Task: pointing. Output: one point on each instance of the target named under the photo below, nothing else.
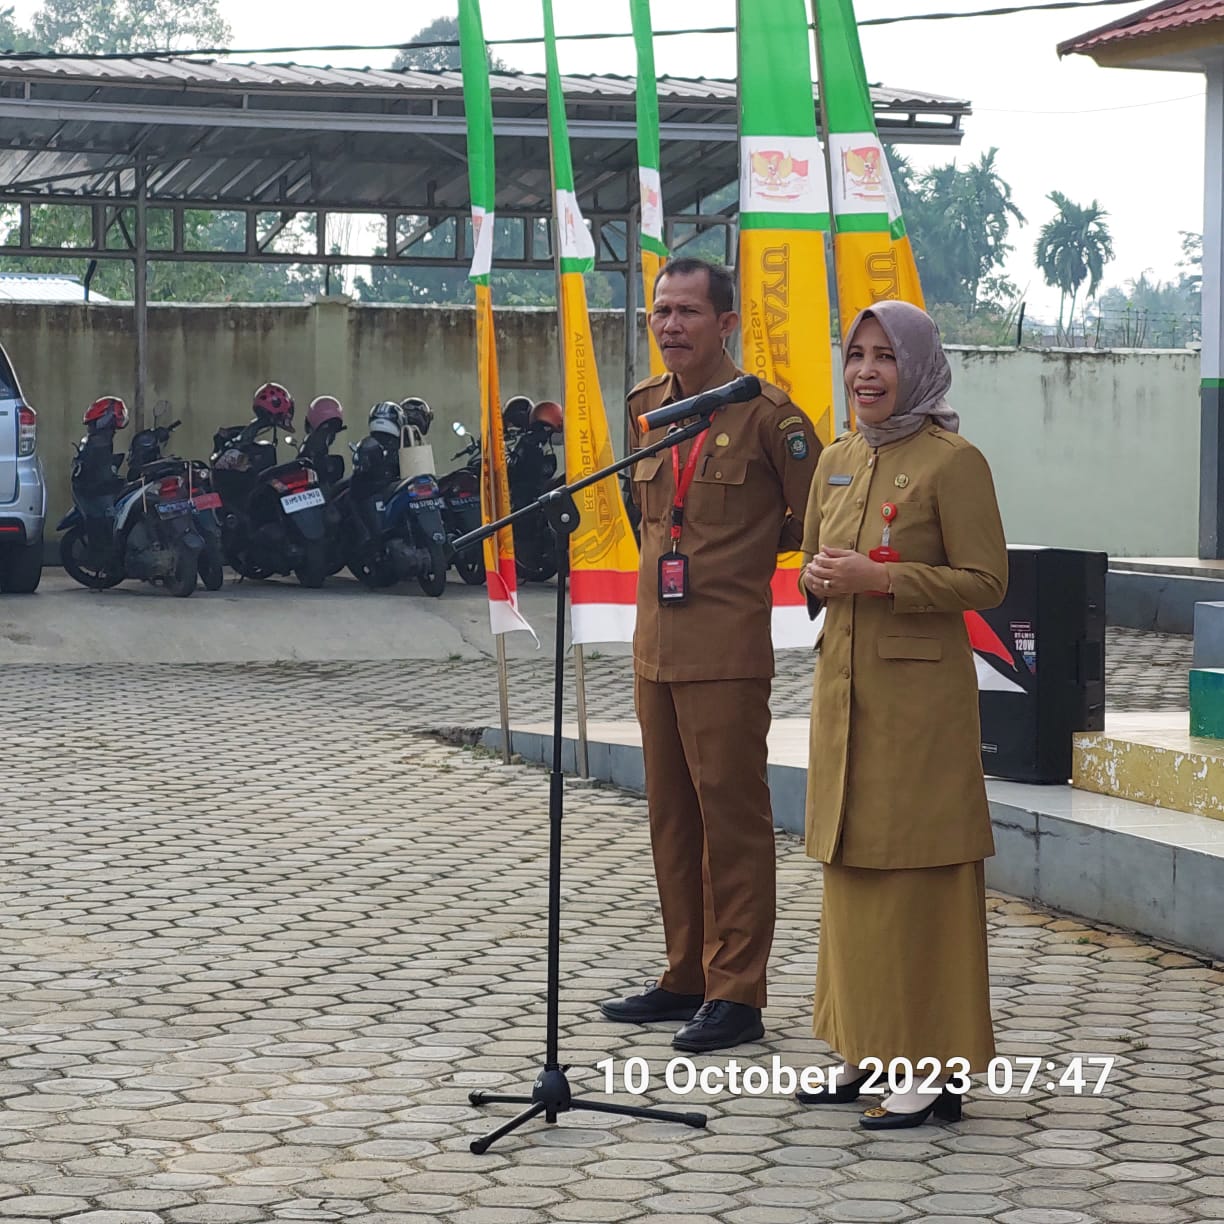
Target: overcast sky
(1132, 140)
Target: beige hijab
(923, 373)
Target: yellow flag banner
(652, 265)
(500, 575)
(784, 217)
(603, 553)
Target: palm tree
(1073, 247)
(987, 206)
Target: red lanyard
(683, 482)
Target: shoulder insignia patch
(790, 420)
(797, 444)
(646, 384)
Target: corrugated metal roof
(1164, 18)
(224, 74)
(217, 133)
(43, 287)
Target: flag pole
(503, 696)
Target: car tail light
(27, 430)
(171, 487)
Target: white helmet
(387, 418)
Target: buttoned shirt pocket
(922, 649)
(915, 530)
(648, 485)
(718, 494)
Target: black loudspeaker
(1040, 661)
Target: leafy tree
(1191, 267)
(1147, 313)
(12, 36)
(1073, 247)
(129, 25)
(437, 59)
(958, 221)
(133, 25)
(987, 325)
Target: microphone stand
(550, 1094)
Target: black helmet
(387, 418)
(417, 412)
(517, 412)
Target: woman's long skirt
(902, 967)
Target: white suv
(23, 490)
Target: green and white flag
(478, 107)
(872, 251)
(577, 245)
(650, 236)
(648, 130)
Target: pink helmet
(323, 408)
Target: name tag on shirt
(840, 480)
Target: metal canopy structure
(261, 137)
(287, 145)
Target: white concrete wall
(1089, 449)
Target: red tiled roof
(1163, 18)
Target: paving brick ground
(260, 936)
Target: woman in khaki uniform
(896, 804)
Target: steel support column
(141, 294)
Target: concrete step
(1152, 758)
(1104, 858)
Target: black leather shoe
(946, 1106)
(719, 1025)
(842, 1093)
(652, 1005)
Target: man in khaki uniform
(703, 663)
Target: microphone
(738, 391)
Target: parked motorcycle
(274, 515)
(143, 528)
(324, 424)
(532, 462)
(145, 461)
(461, 491)
(394, 522)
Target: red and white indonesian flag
(603, 553)
(500, 575)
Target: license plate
(170, 509)
(207, 501)
(428, 503)
(293, 502)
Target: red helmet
(273, 402)
(109, 412)
(323, 408)
(550, 413)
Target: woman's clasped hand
(842, 571)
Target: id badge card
(673, 579)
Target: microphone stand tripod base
(551, 1096)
